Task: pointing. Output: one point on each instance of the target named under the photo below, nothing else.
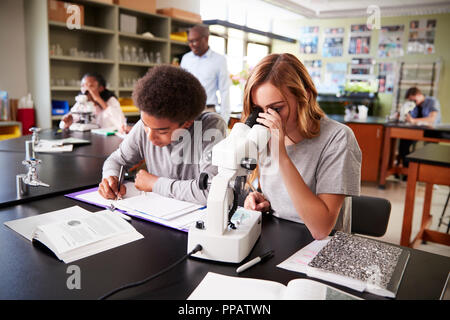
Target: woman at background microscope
(314, 164)
(108, 113)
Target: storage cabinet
(370, 140)
(98, 46)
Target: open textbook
(75, 233)
(356, 262)
(149, 206)
(219, 287)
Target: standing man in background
(210, 68)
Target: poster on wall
(314, 69)
(359, 39)
(386, 77)
(421, 36)
(334, 78)
(333, 44)
(309, 40)
(390, 43)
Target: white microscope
(220, 238)
(406, 108)
(400, 114)
(84, 109)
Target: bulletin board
(309, 40)
(359, 43)
(314, 68)
(421, 36)
(390, 41)
(386, 77)
(335, 77)
(333, 44)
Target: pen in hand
(120, 182)
(251, 263)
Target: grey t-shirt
(179, 164)
(328, 163)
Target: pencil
(120, 182)
(252, 187)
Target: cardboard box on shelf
(128, 23)
(179, 36)
(57, 11)
(104, 1)
(180, 14)
(139, 5)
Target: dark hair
(105, 94)
(200, 29)
(170, 92)
(98, 77)
(412, 92)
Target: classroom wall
(442, 49)
(13, 75)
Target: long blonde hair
(286, 72)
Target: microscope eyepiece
(251, 120)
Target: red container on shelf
(27, 117)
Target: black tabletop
(428, 129)
(435, 154)
(63, 174)
(368, 120)
(440, 131)
(100, 146)
(30, 272)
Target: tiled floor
(395, 192)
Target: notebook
(215, 286)
(75, 233)
(149, 206)
(59, 145)
(356, 262)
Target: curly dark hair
(170, 92)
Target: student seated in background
(426, 112)
(174, 137)
(108, 113)
(314, 162)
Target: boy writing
(174, 137)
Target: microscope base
(234, 245)
(83, 127)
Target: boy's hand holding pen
(112, 187)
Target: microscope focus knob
(203, 181)
(200, 224)
(248, 163)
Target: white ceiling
(355, 8)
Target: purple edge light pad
(74, 196)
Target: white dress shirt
(212, 72)
(112, 117)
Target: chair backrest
(370, 215)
